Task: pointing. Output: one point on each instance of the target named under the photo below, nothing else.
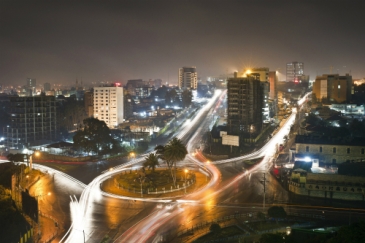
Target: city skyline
(59, 42)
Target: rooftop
(354, 141)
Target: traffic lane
(111, 217)
(53, 193)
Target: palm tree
(160, 153)
(174, 152)
(151, 161)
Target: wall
(327, 154)
(332, 186)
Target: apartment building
(108, 105)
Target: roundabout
(140, 183)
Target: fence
(155, 191)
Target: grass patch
(157, 179)
(226, 232)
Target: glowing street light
(132, 155)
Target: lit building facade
(108, 105)
(33, 121)
(245, 102)
(188, 78)
(47, 87)
(294, 71)
(333, 87)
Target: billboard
(230, 140)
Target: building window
(348, 150)
(320, 149)
(307, 149)
(362, 151)
(333, 161)
(334, 150)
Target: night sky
(58, 42)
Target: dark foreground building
(32, 121)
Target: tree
(276, 212)
(186, 98)
(15, 157)
(94, 137)
(160, 153)
(151, 161)
(172, 153)
(170, 97)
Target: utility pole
(264, 182)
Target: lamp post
(141, 180)
(186, 171)
(30, 159)
(132, 155)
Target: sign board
(230, 140)
(221, 133)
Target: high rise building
(294, 71)
(333, 88)
(245, 102)
(188, 78)
(89, 103)
(108, 105)
(47, 87)
(262, 74)
(31, 82)
(33, 121)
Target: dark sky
(116, 41)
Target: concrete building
(333, 88)
(31, 82)
(33, 121)
(330, 150)
(294, 71)
(245, 102)
(330, 186)
(188, 78)
(349, 109)
(132, 85)
(46, 87)
(89, 103)
(108, 105)
(262, 74)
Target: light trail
(267, 151)
(82, 210)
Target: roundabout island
(158, 183)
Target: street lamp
(132, 155)
(186, 171)
(141, 180)
(30, 158)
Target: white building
(108, 105)
(188, 78)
